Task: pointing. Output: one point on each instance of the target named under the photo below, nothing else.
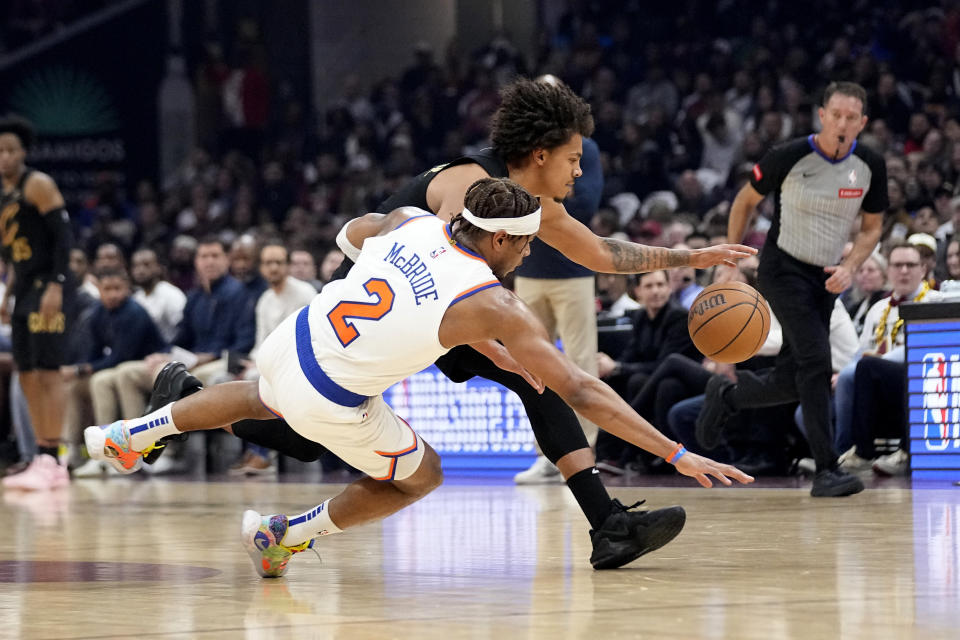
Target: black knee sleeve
(276, 434)
(555, 425)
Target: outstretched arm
(497, 313)
(608, 255)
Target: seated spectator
(870, 285)
(216, 319)
(683, 283)
(80, 267)
(659, 329)
(109, 257)
(284, 296)
(882, 337)
(162, 300)
(303, 267)
(180, 269)
(926, 244)
(120, 330)
(944, 235)
(329, 265)
(953, 259)
(613, 298)
(243, 267)
(925, 221)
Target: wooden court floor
(122, 558)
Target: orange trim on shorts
(267, 407)
(397, 454)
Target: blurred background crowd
(686, 97)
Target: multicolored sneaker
(261, 537)
(111, 444)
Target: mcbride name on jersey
(381, 323)
(415, 270)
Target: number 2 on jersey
(346, 331)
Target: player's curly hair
(492, 198)
(20, 127)
(537, 115)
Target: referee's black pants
(796, 293)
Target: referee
(820, 184)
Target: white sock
(151, 427)
(309, 525)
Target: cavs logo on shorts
(36, 323)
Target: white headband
(523, 226)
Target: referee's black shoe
(172, 383)
(629, 533)
(835, 483)
(715, 412)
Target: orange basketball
(729, 321)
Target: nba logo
(936, 400)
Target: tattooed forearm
(629, 257)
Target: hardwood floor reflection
(119, 558)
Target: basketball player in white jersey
(419, 287)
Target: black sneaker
(627, 534)
(835, 483)
(172, 383)
(714, 414)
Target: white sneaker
(90, 469)
(542, 471)
(894, 464)
(164, 465)
(852, 463)
(807, 466)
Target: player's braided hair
(537, 115)
(492, 198)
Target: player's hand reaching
(701, 468)
(727, 254)
(840, 278)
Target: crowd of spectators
(686, 97)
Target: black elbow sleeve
(57, 223)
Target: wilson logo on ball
(705, 305)
(729, 322)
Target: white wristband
(343, 242)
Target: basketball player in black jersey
(537, 135)
(36, 242)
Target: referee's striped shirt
(817, 198)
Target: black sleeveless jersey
(25, 241)
(414, 193)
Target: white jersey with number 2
(380, 324)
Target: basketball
(729, 322)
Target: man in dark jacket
(659, 329)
